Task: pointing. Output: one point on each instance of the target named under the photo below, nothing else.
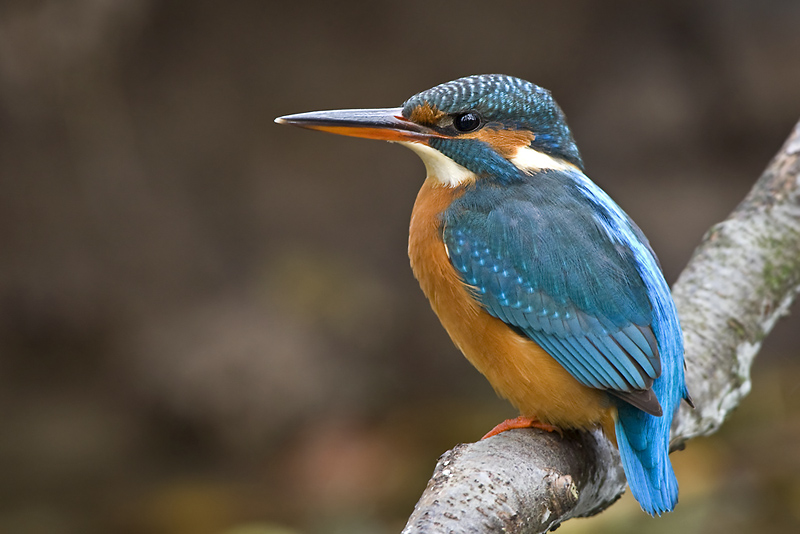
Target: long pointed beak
(387, 124)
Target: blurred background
(208, 323)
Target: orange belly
(517, 368)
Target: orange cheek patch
(504, 142)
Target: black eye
(467, 122)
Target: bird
(541, 280)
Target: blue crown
(508, 100)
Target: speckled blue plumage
(540, 261)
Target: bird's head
(486, 126)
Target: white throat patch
(441, 169)
(446, 172)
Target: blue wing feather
(556, 258)
(545, 264)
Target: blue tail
(643, 442)
(643, 439)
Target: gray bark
(741, 279)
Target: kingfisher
(541, 280)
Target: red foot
(521, 422)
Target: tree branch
(741, 279)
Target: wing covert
(555, 276)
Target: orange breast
(517, 368)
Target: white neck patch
(441, 169)
(530, 160)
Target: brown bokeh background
(207, 321)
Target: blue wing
(551, 260)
